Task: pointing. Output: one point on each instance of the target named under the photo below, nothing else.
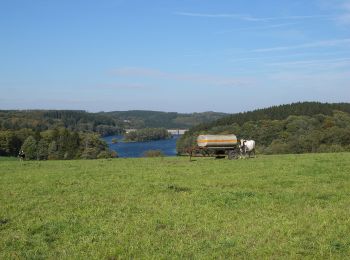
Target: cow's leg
(241, 153)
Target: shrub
(114, 154)
(53, 151)
(153, 153)
(42, 151)
(29, 147)
(277, 147)
(89, 153)
(106, 155)
(333, 148)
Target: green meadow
(287, 206)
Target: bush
(277, 147)
(106, 155)
(333, 148)
(29, 147)
(114, 154)
(89, 153)
(42, 151)
(153, 153)
(53, 151)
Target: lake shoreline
(134, 149)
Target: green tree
(30, 148)
(53, 151)
(277, 147)
(92, 145)
(42, 150)
(90, 153)
(9, 143)
(147, 134)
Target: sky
(173, 55)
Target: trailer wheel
(232, 154)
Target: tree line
(103, 123)
(55, 144)
(147, 134)
(275, 113)
(73, 120)
(295, 128)
(138, 119)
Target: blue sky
(173, 55)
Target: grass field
(291, 206)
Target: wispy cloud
(314, 64)
(341, 8)
(311, 78)
(327, 43)
(250, 18)
(344, 17)
(213, 80)
(266, 27)
(139, 72)
(269, 57)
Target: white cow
(247, 147)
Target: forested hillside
(55, 134)
(74, 120)
(147, 134)
(294, 128)
(71, 134)
(155, 119)
(103, 123)
(53, 144)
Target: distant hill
(75, 120)
(144, 119)
(277, 113)
(285, 128)
(104, 123)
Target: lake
(137, 149)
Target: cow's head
(242, 142)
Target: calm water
(136, 149)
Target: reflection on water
(137, 149)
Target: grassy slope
(274, 206)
